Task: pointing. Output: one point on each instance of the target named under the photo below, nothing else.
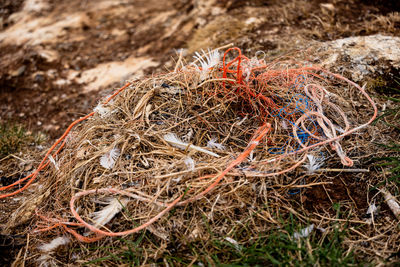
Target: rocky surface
(362, 57)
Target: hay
(209, 139)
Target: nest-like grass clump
(201, 141)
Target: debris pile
(210, 135)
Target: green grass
(391, 162)
(274, 247)
(132, 254)
(278, 247)
(391, 113)
(13, 138)
(391, 117)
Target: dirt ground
(58, 58)
(53, 53)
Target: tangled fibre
(213, 132)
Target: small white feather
(207, 61)
(187, 137)
(251, 156)
(284, 125)
(55, 243)
(372, 209)
(104, 216)
(177, 180)
(234, 243)
(176, 142)
(102, 111)
(339, 129)
(246, 73)
(304, 232)
(313, 164)
(108, 159)
(52, 160)
(371, 212)
(213, 144)
(190, 164)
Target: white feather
(251, 156)
(249, 65)
(176, 142)
(234, 243)
(102, 217)
(52, 160)
(284, 125)
(190, 164)
(55, 243)
(102, 111)
(108, 159)
(371, 212)
(213, 144)
(304, 232)
(207, 61)
(313, 164)
(339, 129)
(372, 209)
(246, 73)
(187, 137)
(177, 180)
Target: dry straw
(214, 132)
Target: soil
(343, 188)
(29, 91)
(48, 79)
(37, 90)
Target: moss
(378, 82)
(14, 137)
(387, 83)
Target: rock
(361, 57)
(107, 73)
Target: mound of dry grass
(215, 140)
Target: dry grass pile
(207, 139)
